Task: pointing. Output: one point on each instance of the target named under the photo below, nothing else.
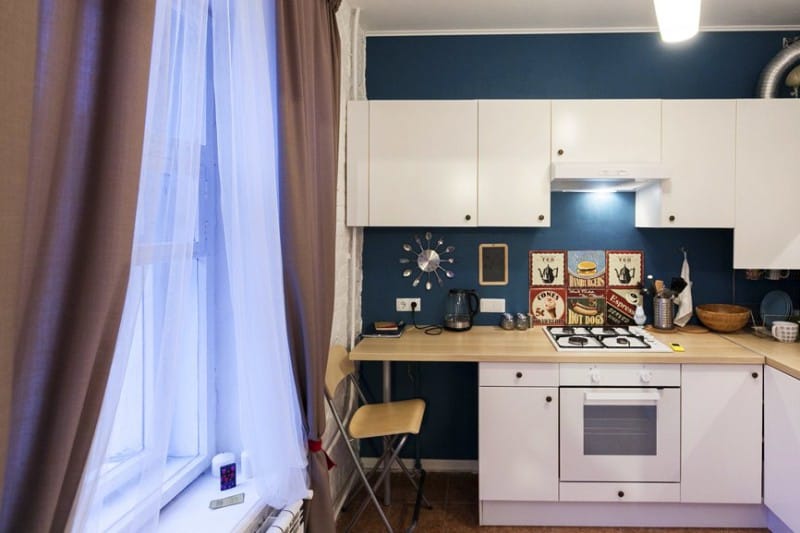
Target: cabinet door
(603, 131)
(782, 446)
(514, 163)
(699, 151)
(518, 443)
(423, 163)
(721, 433)
(766, 233)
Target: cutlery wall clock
(431, 260)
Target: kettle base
(457, 323)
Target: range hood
(613, 177)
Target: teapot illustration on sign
(548, 274)
(625, 274)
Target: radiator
(286, 520)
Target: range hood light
(678, 20)
(605, 177)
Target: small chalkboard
(493, 264)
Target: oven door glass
(620, 434)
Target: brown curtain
(86, 128)
(308, 111)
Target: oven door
(620, 434)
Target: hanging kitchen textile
(685, 297)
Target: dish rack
(763, 330)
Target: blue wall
(713, 65)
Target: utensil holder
(663, 312)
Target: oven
(620, 423)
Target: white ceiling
(418, 17)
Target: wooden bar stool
(394, 421)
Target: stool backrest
(339, 367)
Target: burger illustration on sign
(587, 268)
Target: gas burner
(604, 339)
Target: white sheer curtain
(245, 95)
(122, 483)
(128, 468)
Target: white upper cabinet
(357, 164)
(721, 418)
(782, 446)
(606, 131)
(514, 163)
(423, 163)
(699, 152)
(767, 234)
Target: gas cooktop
(603, 339)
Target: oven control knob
(594, 375)
(646, 375)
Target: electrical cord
(435, 329)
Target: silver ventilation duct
(776, 69)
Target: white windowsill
(189, 510)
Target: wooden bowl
(724, 318)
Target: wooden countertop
(785, 356)
(493, 344)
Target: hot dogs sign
(584, 287)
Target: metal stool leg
(383, 475)
(417, 504)
(360, 473)
(410, 477)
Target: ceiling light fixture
(678, 20)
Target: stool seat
(391, 418)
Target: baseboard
(432, 465)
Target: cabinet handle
(621, 494)
(548, 399)
(519, 375)
(672, 218)
(755, 375)
(541, 217)
(560, 151)
(468, 217)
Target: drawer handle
(755, 375)
(621, 494)
(548, 399)
(519, 375)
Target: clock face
(433, 260)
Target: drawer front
(620, 375)
(518, 375)
(620, 492)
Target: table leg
(387, 397)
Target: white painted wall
(347, 301)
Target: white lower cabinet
(782, 446)
(518, 432)
(721, 416)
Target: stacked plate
(776, 305)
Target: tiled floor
(455, 510)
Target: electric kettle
(462, 305)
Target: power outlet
(404, 304)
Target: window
(190, 444)
(202, 313)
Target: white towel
(684, 313)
